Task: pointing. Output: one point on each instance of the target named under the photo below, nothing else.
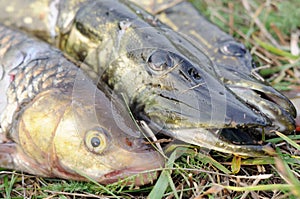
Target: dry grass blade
(75, 195)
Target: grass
(196, 173)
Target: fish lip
(117, 174)
(268, 93)
(142, 175)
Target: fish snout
(268, 101)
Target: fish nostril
(194, 74)
(234, 49)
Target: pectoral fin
(8, 152)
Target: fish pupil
(95, 142)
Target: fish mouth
(221, 127)
(145, 172)
(264, 98)
(136, 176)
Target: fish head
(63, 135)
(238, 72)
(183, 100)
(170, 92)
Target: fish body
(165, 79)
(56, 123)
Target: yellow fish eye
(96, 140)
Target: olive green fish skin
(232, 61)
(166, 80)
(56, 123)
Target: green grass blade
(285, 171)
(288, 140)
(210, 160)
(279, 139)
(258, 161)
(275, 50)
(163, 181)
(8, 184)
(160, 186)
(172, 185)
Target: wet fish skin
(52, 126)
(232, 61)
(171, 101)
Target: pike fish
(50, 128)
(232, 61)
(166, 80)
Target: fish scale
(21, 77)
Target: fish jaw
(213, 139)
(274, 105)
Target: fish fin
(8, 152)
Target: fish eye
(160, 60)
(233, 49)
(96, 140)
